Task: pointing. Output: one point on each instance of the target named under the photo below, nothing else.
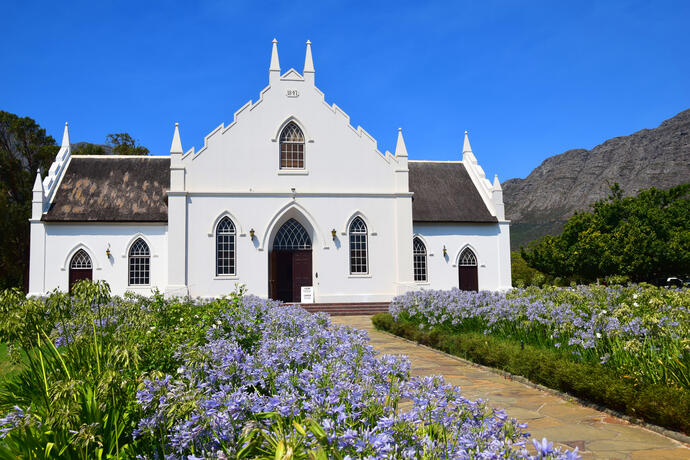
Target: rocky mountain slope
(562, 184)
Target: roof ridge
(167, 157)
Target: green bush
(659, 404)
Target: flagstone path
(568, 424)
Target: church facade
(289, 199)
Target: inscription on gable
(292, 93)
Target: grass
(7, 367)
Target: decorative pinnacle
(400, 149)
(308, 61)
(65, 136)
(275, 64)
(176, 146)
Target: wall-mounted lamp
(251, 233)
(107, 252)
(445, 252)
(333, 232)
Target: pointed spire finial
(497, 184)
(65, 136)
(38, 183)
(466, 145)
(176, 146)
(400, 149)
(308, 61)
(275, 64)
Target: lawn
(236, 377)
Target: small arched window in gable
(358, 247)
(225, 247)
(291, 147)
(139, 263)
(419, 254)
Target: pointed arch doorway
(290, 262)
(80, 268)
(467, 271)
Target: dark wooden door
(469, 281)
(78, 274)
(301, 272)
(272, 275)
(284, 276)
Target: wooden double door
(289, 270)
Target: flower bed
(627, 348)
(239, 377)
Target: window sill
(293, 172)
(363, 275)
(226, 277)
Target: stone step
(347, 308)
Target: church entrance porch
(290, 263)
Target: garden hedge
(661, 405)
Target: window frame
(144, 257)
(281, 141)
(232, 242)
(363, 237)
(475, 261)
(424, 260)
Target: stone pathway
(596, 434)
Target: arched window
(139, 263)
(291, 236)
(358, 247)
(225, 247)
(291, 147)
(419, 253)
(80, 268)
(467, 258)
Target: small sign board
(307, 294)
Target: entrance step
(346, 308)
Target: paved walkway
(596, 434)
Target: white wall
(63, 240)
(486, 240)
(319, 216)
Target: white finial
(308, 61)
(497, 184)
(275, 64)
(38, 183)
(176, 146)
(65, 136)
(400, 149)
(466, 145)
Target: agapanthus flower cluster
(266, 358)
(617, 326)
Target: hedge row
(658, 404)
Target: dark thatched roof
(112, 189)
(122, 189)
(444, 192)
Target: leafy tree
(24, 148)
(124, 144)
(88, 149)
(645, 238)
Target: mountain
(541, 203)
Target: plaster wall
(63, 240)
(486, 240)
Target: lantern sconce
(107, 251)
(251, 233)
(333, 232)
(445, 252)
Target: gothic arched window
(139, 263)
(467, 258)
(358, 247)
(291, 147)
(225, 247)
(419, 254)
(291, 236)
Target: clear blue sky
(527, 79)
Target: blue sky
(527, 79)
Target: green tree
(24, 148)
(87, 148)
(124, 144)
(644, 238)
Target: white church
(289, 199)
